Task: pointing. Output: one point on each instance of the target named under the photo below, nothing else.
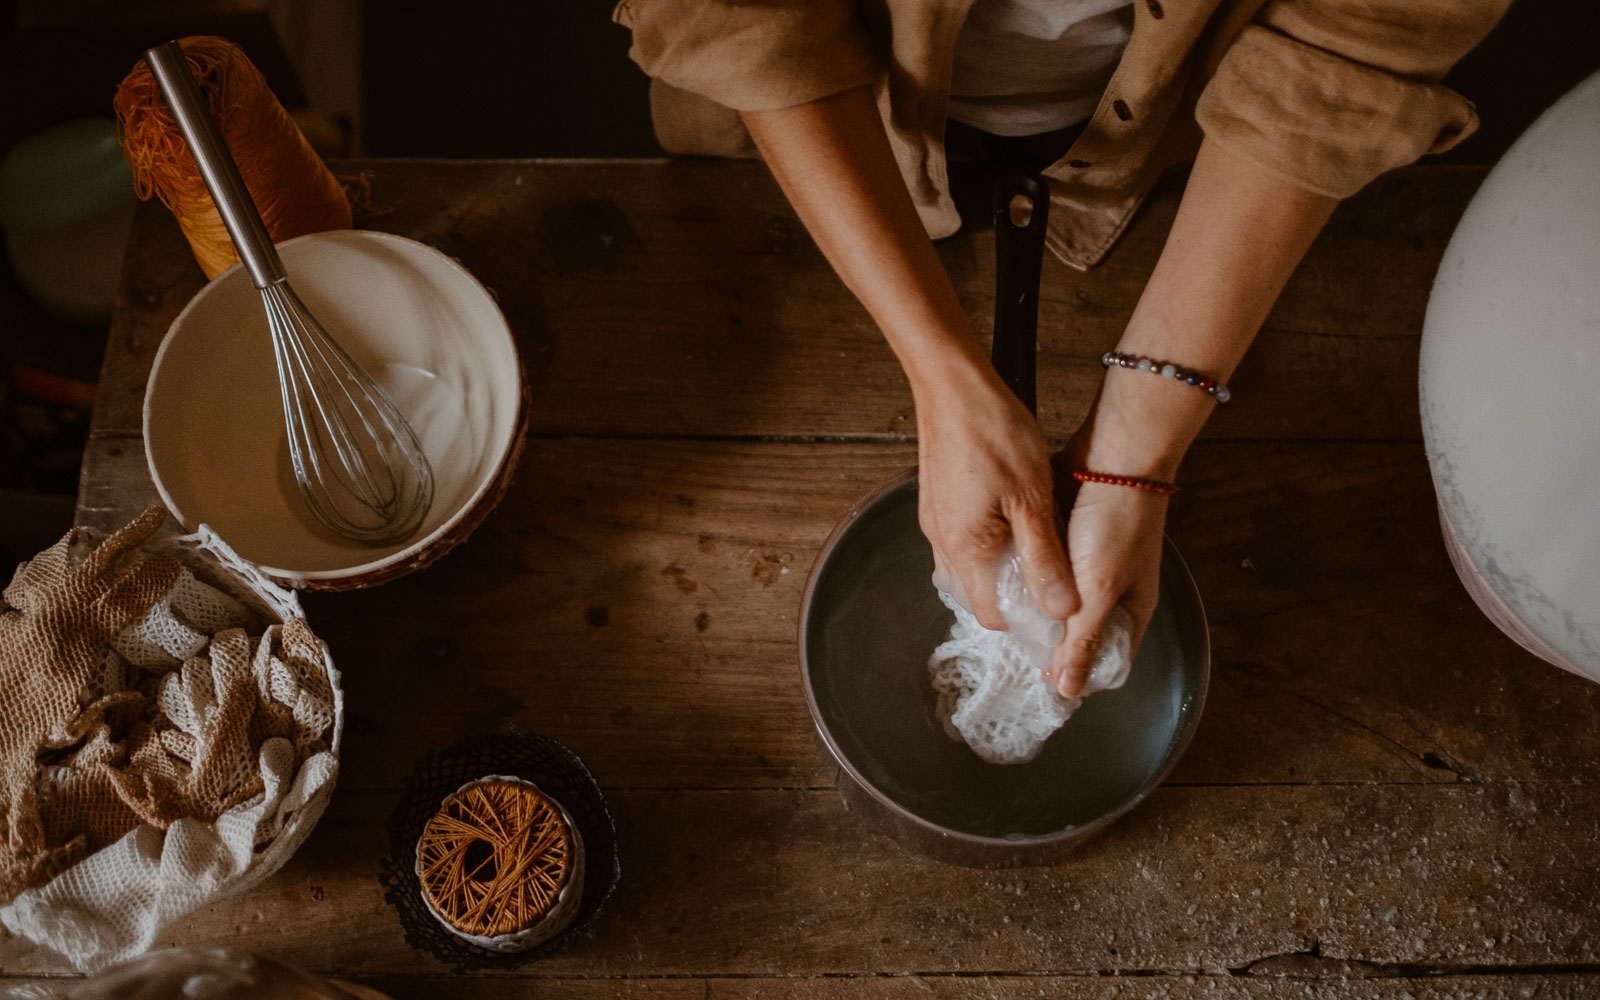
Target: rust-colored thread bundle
(293, 189)
(494, 860)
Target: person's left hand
(1114, 545)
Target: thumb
(1044, 561)
(1085, 634)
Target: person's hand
(1114, 544)
(986, 479)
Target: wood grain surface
(642, 595)
(685, 299)
(1324, 980)
(785, 882)
(1386, 798)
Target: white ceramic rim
(410, 551)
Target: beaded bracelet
(1137, 482)
(1166, 369)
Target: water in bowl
(874, 620)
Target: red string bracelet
(1137, 482)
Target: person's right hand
(985, 476)
(985, 479)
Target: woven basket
(112, 904)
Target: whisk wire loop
(356, 460)
(323, 379)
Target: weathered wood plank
(638, 599)
(115, 483)
(1197, 879)
(684, 298)
(1334, 608)
(904, 986)
(159, 277)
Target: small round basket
(501, 864)
(522, 760)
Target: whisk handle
(210, 151)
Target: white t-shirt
(1028, 66)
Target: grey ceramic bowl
(869, 621)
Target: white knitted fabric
(993, 694)
(111, 905)
(179, 626)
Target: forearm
(1239, 234)
(833, 161)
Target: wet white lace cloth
(993, 694)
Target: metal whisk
(356, 459)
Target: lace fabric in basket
(170, 736)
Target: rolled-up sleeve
(1331, 93)
(750, 55)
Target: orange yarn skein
(293, 189)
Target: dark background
(469, 78)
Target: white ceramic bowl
(1510, 380)
(417, 321)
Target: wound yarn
(293, 189)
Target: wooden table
(1386, 797)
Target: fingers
(1086, 633)
(1045, 568)
(967, 563)
(1141, 607)
(1089, 631)
(970, 573)
(977, 560)
(980, 577)
(1140, 602)
(943, 579)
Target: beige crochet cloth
(137, 696)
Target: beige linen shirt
(1326, 93)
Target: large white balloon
(1510, 375)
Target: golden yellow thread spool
(501, 864)
(293, 189)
